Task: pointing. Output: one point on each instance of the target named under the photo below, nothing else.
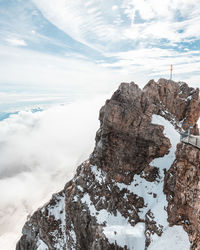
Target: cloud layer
(39, 154)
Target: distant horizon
(30, 97)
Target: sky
(59, 61)
(90, 46)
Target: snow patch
(80, 188)
(124, 234)
(41, 245)
(71, 237)
(178, 237)
(75, 198)
(173, 135)
(100, 176)
(173, 238)
(158, 205)
(198, 122)
(117, 228)
(58, 211)
(145, 189)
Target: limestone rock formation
(116, 199)
(183, 192)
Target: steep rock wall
(182, 187)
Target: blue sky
(94, 45)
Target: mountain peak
(116, 199)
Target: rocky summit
(140, 187)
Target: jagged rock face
(183, 192)
(127, 141)
(105, 199)
(176, 98)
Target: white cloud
(11, 102)
(155, 63)
(16, 42)
(164, 19)
(109, 27)
(28, 67)
(94, 20)
(115, 7)
(37, 150)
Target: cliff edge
(116, 199)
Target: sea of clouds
(39, 153)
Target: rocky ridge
(116, 199)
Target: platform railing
(193, 140)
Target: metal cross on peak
(171, 69)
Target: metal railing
(194, 140)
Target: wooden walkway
(191, 139)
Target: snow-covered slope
(172, 238)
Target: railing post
(189, 135)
